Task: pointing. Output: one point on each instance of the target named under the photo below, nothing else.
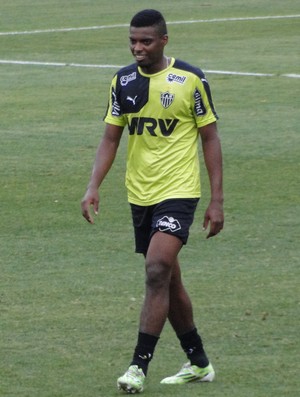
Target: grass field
(70, 293)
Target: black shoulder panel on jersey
(127, 69)
(132, 89)
(188, 68)
(198, 72)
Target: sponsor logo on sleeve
(199, 107)
(115, 106)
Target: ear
(165, 39)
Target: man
(167, 105)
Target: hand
(214, 216)
(91, 197)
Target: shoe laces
(185, 368)
(134, 371)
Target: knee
(158, 274)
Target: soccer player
(167, 105)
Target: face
(147, 47)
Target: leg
(181, 318)
(180, 308)
(160, 261)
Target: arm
(212, 152)
(105, 156)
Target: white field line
(123, 25)
(58, 64)
(95, 66)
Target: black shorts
(173, 216)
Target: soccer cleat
(132, 381)
(191, 373)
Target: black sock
(192, 345)
(144, 351)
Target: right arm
(105, 156)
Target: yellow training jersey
(163, 112)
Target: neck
(165, 61)
(163, 64)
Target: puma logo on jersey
(131, 99)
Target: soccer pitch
(70, 292)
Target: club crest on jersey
(166, 99)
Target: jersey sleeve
(114, 113)
(203, 107)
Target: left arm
(214, 215)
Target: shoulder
(127, 69)
(127, 74)
(186, 67)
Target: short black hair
(150, 17)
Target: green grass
(70, 293)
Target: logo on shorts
(167, 223)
